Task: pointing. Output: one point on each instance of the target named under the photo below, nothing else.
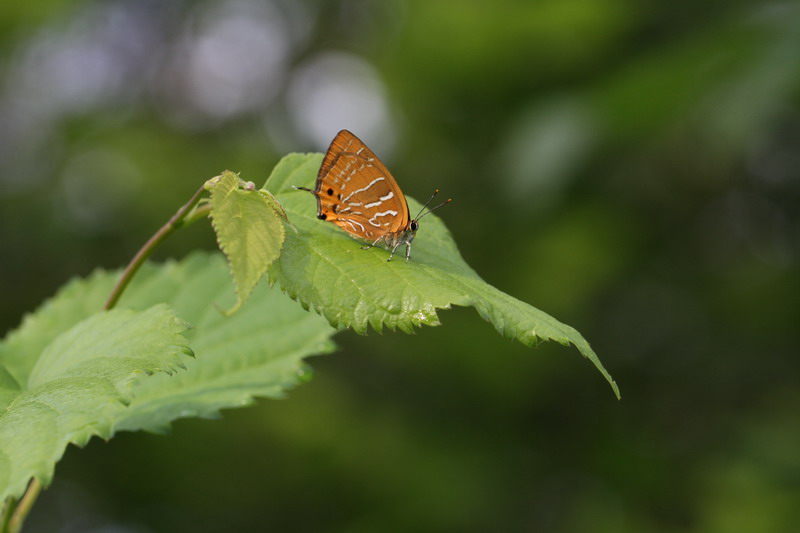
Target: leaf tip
(615, 388)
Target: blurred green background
(630, 167)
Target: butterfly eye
(414, 225)
(322, 216)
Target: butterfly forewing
(343, 143)
(357, 192)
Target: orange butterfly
(357, 192)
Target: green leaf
(76, 300)
(325, 269)
(79, 385)
(257, 352)
(249, 231)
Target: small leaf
(79, 385)
(249, 231)
(325, 269)
(75, 301)
(129, 336)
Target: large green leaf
(66, 373)
(256, 352)
(78, 387)
(326, 270)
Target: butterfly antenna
(432, 209)
(304, 189)
(426, 204)
(421, 214)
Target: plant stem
(23, 507)
(8, 509)
(144, 252)
(14, 513)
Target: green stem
(200, 211)
(20, 511)
(152, 243)
(8, 510)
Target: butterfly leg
(393, 249)
(373, 244)
(409, 236)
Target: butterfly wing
(357, 192)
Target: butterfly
(355, 191)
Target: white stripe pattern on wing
(381, 214)
(381, 200)
(353, 224)
(370, 184)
